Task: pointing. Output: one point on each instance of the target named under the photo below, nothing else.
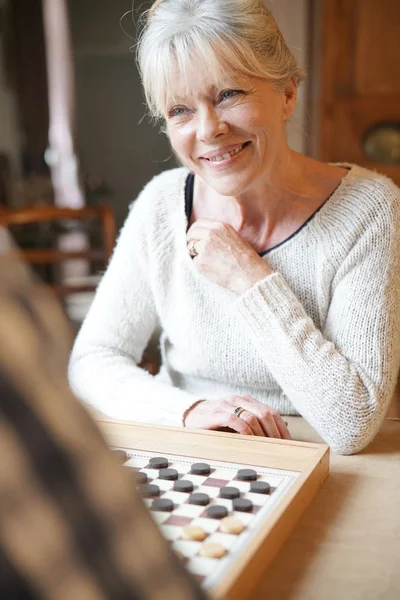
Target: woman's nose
(210, 125)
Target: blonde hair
(238, 35)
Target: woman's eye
(226, 94)
(176, 112)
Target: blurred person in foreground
(72, 526)
(275, 278)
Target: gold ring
(192, 249)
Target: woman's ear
(289, 100)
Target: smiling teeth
(227, 155)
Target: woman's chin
(233, 184)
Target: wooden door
(355, 89)
(358, 117)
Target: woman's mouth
(228, 157)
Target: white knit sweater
(319, 337)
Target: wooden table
(310, 461)
(347, 544)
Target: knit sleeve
(340, 378)
(103, 369)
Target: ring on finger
(238, 411)
(192, 249)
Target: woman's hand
(257, 418)
(224, 257)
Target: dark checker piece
(246, 475)
(217, 512)
(163, 504)
(149, 490)
(229, 492)
(158, 462)
(170, 474)
(183, 485)
(242, 504)
(200, 469)
(260, 487)
(121, 454)
(200, 499)
(140, 477)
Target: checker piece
(121, 455)
(260, 487)
(163, 505)
(140, 477)
(168, 474)
(242, 504)
(199, 499)
(183, 485)
(212, 550)
(231, 525)
(194, 533)
(149, 490)
(217, 512)
(158, 462)
(246, 475)
(200, 469)
(229, 492)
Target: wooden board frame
(311, 460)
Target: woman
(274, 277)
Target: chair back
(64, 220)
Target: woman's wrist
(188, 410)
(257, 275)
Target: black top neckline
(189, 189)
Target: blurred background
(69, 65)
(350, 49)
(118, 148)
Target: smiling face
(232, 135)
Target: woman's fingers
(252, 421)
(270, 420)
(239, 425)
(256, 418)
(283, 428)
(269, 426)
(215, 414)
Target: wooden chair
(45, 256)
(62, 218)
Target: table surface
(346, 546)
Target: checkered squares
(222, 475)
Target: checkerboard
(295, 471)
(208, 570)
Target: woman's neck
(276, 205)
